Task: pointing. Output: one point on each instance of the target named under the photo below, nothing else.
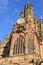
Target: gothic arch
(19, 45)
(34, 42)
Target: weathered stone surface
(24, 45)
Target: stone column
(26, 44)
(12, 45)
(11, 48)
(10, 54)
(36, 45)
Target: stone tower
(28, 11)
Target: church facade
(24, 45)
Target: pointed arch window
(31, 45)
(19, 46)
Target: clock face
(20, 20)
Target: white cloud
(16, 10)
(3, 5)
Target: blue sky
(9, 13)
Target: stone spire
(28, 10)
